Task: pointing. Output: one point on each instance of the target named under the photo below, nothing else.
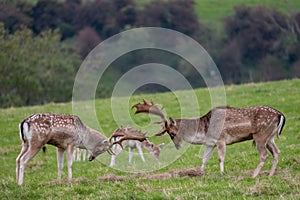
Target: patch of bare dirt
(188, 172)
(193, 172)
(112, 177)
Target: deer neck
(91, 138)
(193, 131)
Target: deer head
(156, 150)
(168, 126)
(100, 147)
(127, 133)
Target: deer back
(55, 129)
(228, 123)
(242, 123)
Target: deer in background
(223, 126)
(64, 131)
(79, 154)
(131, 144)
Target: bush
(177, 15)
(35, 70)
(261, 45)
(86, 40)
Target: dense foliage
(35, 70)
(262, 45)
(257, 44)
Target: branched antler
(152, 108)
(127, 133)
(149, 108)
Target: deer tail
(280, 124)
(24, 130)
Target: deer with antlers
(131, 144)
(64, 131)
(223, 126)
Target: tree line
(43, 44)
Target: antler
(149, 108)
(127, 133)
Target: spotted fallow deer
(133, 144)
(64, 131)
(222, 126)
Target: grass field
(215, 10)
(236, 183)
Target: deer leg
(116, 149)
(27, 155)
(221, 154)
(75, 155)
(139, 148)
(70, 150)
(60, 162)
(207, 154)
(24, 149)
(275, 153)
(263, 157)
(113, 160)
(84, 154)
(78, 154)
(130, 154)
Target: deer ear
(172, 121)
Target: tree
(86, 40)
(46, 15)
(35, 69)
(258, 31)
(13, 15)
(106, 17)
(177, 15)
(261, 38)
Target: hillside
(215, 10)
(240, 160)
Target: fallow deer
(64, 131)
(222, 126)
(131, 144)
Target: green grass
(214, 10)
(241, 158)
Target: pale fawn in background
(134, 144)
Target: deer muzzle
(91, 158)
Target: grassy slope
(215, 10)
(241, 158)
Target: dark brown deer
(64, 131)
(222, 126)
